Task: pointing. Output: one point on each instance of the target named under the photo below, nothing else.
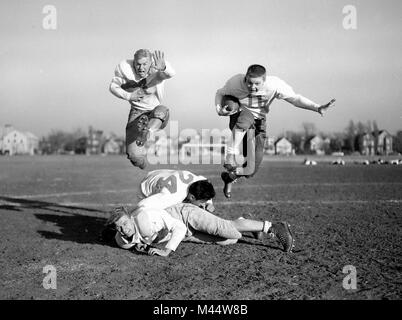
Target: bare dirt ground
(53, 208)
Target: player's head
(200, 192)
(122, 220)
(142, 62)
(255, 77)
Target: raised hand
(159, 59)
(324, 108)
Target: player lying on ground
(142, 227)
(163, 188)
(140, 81)
(246, 99)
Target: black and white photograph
(215, 152)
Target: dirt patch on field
(342, 218)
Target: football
(232, 104)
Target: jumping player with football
(246, 99)
(140, 81)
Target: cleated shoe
(281, 231)
(228, 179)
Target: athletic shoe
(228, 179)
(281, 231)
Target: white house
(283, 147)
(17, 142)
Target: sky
(59, 79)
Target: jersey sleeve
(160, 220)
(115, 85)
(284, 91)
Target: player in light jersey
(164, 188)
(254, 92)
(141, 82)
(144, 227)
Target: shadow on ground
(71, 223)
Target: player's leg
(260, 132)
(158, 119)
(136, 152)
(204, 238)
(239, 124)
(200, 220)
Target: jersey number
(170, 182)
(253, 99)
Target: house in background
(17, 142)
(283, 147)
(94, 142)
(384, 143)
(365, 144)
(269, 147)
(113, 145)
(317, 145)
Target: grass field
(53, 208)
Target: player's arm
(162, 220)
(164, 70)
(122, 242)
(115, 87)
(304, 103)
(285, 92)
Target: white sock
(237, 139)
(267, 226)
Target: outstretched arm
(164, 70)
(302, 102)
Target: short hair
(116, 214)
(142, 53)
(255, 71)
(202, 190)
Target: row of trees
(58, 141)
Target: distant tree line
(348, 141)
(79, 141)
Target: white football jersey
(165, 188)
(257, 103)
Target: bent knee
(161, 112)
(245, 120)
(138, 160)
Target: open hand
(159, 252)
(159, 59)
(324, 108)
